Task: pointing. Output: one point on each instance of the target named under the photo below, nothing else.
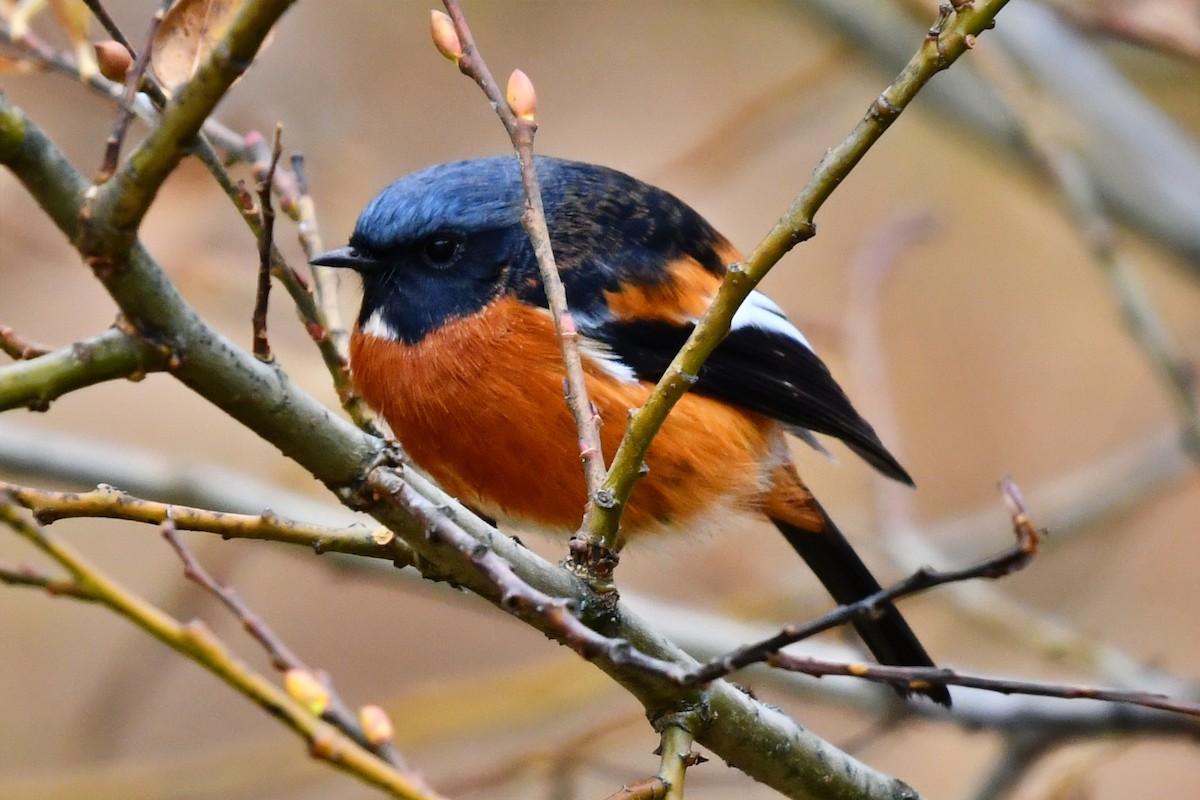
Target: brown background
(1004, 352)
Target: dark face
(412, 288)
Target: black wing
(764, 370)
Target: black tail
(848, 580)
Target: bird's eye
(441, 250)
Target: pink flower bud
(445, 38)
(522, 98)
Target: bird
(454, 346)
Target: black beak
(348, 257)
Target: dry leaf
(187, 35)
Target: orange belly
(479, 405)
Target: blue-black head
(442, 243)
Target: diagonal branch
(196, 641)
(762, 741)
(1004, 563)
(521, 129)
(952, 35)
(283, 658)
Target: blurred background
(953, 288)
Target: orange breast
(479, 405)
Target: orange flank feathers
(679, 300)
(789, 500)
(479, 403)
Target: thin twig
(18, 347)
(282, 657)
(303, 210)
(918, 678)
(109, 503)
(646, 789)
(198, 643)
(322, 315)
(522, 130)
(266, 245)
(27, 576)
(106, 21)
(1002, 564)
(316, 324)
(125, 112)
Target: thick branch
(118, 206)
(761, 741)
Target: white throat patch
(375, 326)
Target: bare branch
(195, 641)
(951, 37)
(266, 245)
(109, 503)
(282, 656)
(915, 677)
(112, 355)
(1004, 563)
(125, 112)
(521, 130)
(19, 348)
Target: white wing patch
(602, 356)
(760, 311)
(375, 326)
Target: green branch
(763, 742)
(258, 395)
(111, 355)
(118, 206)
(953, 34)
